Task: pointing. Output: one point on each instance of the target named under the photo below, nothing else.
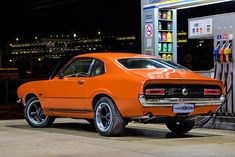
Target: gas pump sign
(230, 36)
(200, 28)
(225, 36)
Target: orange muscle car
(111, 89)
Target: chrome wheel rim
(103, 117)
(35, 113)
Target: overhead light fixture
(202, 3)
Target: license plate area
(183, 108)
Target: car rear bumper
(171, 101)
(164, 107)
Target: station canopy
(183, 4)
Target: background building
(37, 58)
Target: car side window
(78, 68)
(98, 68)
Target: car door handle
(81, 82)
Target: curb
(220, 122)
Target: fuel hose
(206, 119)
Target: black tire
(108, 121)
(34, 115)
(180, 127)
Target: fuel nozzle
(221, 53)
(227, 52)
(216, 53)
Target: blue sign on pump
(219, 37)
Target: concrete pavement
(77, 138)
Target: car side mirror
(61, 75)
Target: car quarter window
(98, 68)
(78, 68)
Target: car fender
(29, 92)
(99, 92)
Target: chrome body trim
(19, 100)
(170, 101)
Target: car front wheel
(34, 115)
(108, 121)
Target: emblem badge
(184, 92)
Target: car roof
(115, 55)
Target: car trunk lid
(176, 78)
(166, 74)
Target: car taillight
(212, 91)
(155, 91)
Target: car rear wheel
(34, 115)
(180, 127)
(108, 121)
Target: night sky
(28, 18)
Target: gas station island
(160, 37)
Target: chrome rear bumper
(171, 101)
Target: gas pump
(228, 52)
(223, 57)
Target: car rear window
(148, 63)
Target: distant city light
(56, 48)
